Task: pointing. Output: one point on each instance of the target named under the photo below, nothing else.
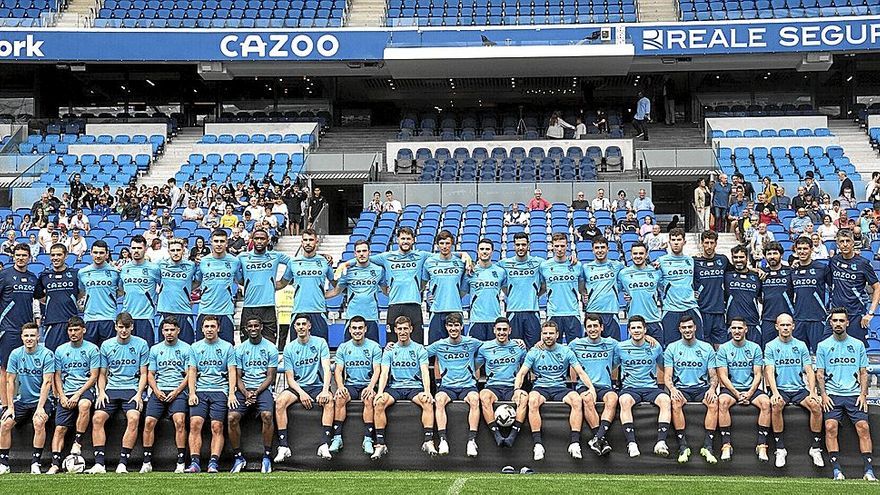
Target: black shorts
(845, 405)
(158, 409)
(642, 394)
(269, 318)
(24, 412)
(456, 393)
(119, 400)
(264, 403)
(354, 391)
(482, 331)
(552, 393)
(501, 392)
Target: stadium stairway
(357, 139)
(856, 146)
(370, 13)
(79, 14)
(176, 153)
(658, 10)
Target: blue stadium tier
(59, 143)
(772, 133)
(771, 110)
(235, 167)
(508, 12)
(774, 9)
(785, 164)
(256, 138)
(221, 13)
(26, 13)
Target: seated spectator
(212, 219)
(799, 223)
(257, 211)
(102, 208)
(56, 239)
(643, 202)
(9, 244)
(580, 202)
(858, 239)
(538, 203)
(628, 223)
(588, 230)
(166, 220)
(647, 227)
(76, 244)
(610, 235)
(229, 219)
(152, 232)
(746, 226)
(79, 221)
(873, 233)
(280, 208)
(156, 252)
(33, 245)
(249, 223)
(834, 212)
(799, 201)
(193, 212)
(237, 244)
(820, 252)
(601, 122)
(600, 202)
(391, 204)
(621, 203)
(63, 220)
(26, 224)
(8, 224)
(166, 237)
(655, 240)
(44, 236)
(827, 231)
(124, 258)
(131, 211)
(766, 210)
(375, 205)
(737, 208)
(145, 208)
(759, 241)
(515, 216)
(199, 250)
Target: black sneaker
(606, 447)
(595, 445)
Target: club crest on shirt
(850, 349)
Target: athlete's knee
(587, 399)
(267, 418)
(863, 429)
(442, 399)
(472, 399)
(831, 427)
(535, 400)
(626, 401)
(99, 419)
(486, 397)
(573, 399)
(196, 422)
(216, 427)
(663, 401)
(777, 407)
(150, 424)
(179, 422)
(234, 419)
(7, 426)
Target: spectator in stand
(655, 239)
(193, 212)
(580, 202)
(746, 225)
(811, 187)
(76, 244)
(391, 204)
(212, 219)
(647, 226)
(199, 250)
(102, 209)
(515, 216)
(781, 201)
(643, 202)
(175, 192)
(236, 244)
(621, 203)
(9, 244)
(256, 209)
(766, 210)
(538, 203)
(642, 116)
(63, 220)
(166, 221)
(131, 210)
(845, 183)
(827, 231)
(858, 239)
(847, 200)
(375, 205)
(166, 237)
(44, 236)
(317, 203)
(8, 225)
(77, 191)
(124, 258)
(721, 202)
(56, 239)
(41, 208)
(600, 202)
(740, 182)
(26, 224)
(229, 219)
(769, 189)
(610, 235)
(800, 200)
(799, 223)
(820, 252)
(737, 207)
(588, 230)
(759, 242)
(280, 208)
(79, 221)
(601, 122)
(872, 188)
(628, 223)
(873, 234)
(156, 252)
(33, 245)
(702, 205)
(580, 129)
(152, 232)
(145, 209)
(294, 198)
(814, 211)
(556, 127)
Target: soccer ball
(74, 464)
(504, 415)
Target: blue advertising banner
(794, 35)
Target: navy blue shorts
(642, 394)
(755, 395)
(482, 331)
(654, 329)
(99, 331)
(670, 322)
(145, 330)
(185, 322)
(842, 405)
(810, 333)
(24, 412)
(319, 326)
(354, 392)
(9, 340)
(570, 327)
(157, 408)
(552, 393)
(212, 405)
(227, 329)
(67, 417)
(54, 335)
(501, 392)
(794, 397)
(265, 403)
(399, 394)
(437, 327)
(715, 328)
(119, 400)
(372, 332)
(600, 391)
(693, 394)
(610, 326)
(526, 326)
(456, 393)
(312, 390)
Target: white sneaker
(443, 447)
(53, 469)
(121, 469)
(4, 469)
(574, 450)
(35, 468)
(283, 453)
(471, 448)
(539, 452)
(147, 468)
(761, 452)
(96, 469)
(76, 449)
(428, 447)
(324, 452)
(179, 469)
(633, 449)
(869, 476)
(378, 452)
(838, 476)
(661, 449)
(781, 454)
(816, 455)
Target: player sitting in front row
(501, 360)
(121, 385)
(842, 374)
(405, 374)
(307, 371)
(786, 362)
(212, 379)
(740, 371)
(640, 365)
(691, 377)
(168, 379)
(77, 364)
(257, 363)
(456, 358)
(550, 363)
(33, 367)
(358, 365)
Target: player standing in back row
(676, 287)
(564, 284)
(259, 269)
(57, 285)
(218, 273)
(848, 274)
(308, 275)
(139, 281)
(16, 306)
(709, 270)
(443, 274)
(178, 281)
(600, 283)
(99, 286)
(486, 285)
(523, 283)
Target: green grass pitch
(361, 483)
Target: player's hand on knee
(341, 393)
(862, 403)
(367, 394)
(324, 397)
(305, 400)
(827, 403)
(379, 399)
(102, 400)
(426, 398)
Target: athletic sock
(442, 434)
(267, 451)
(77, 438)
(4, 457)
(37, 455)
(682, 439)
(662, 431)
(181, 455)
(282, 437)
(472, 435)
(834, 458)
(195, 459)
(337, 428)
(56, 459)
(99, 455)
(602, 429)
(428, 434)
(536, 437)
(215, 459)
(779, 438)
(709, 440)
(380, 436)
(328, 431)
(515, 429)
(148, 456)
(237, 453)
(368, 430)
(574, 436)
(725, 436)
(763, 432)
(866, 458)
(817, 440)
(629, 432)
(124, 455)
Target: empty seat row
(750, 133)
(256, 138)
